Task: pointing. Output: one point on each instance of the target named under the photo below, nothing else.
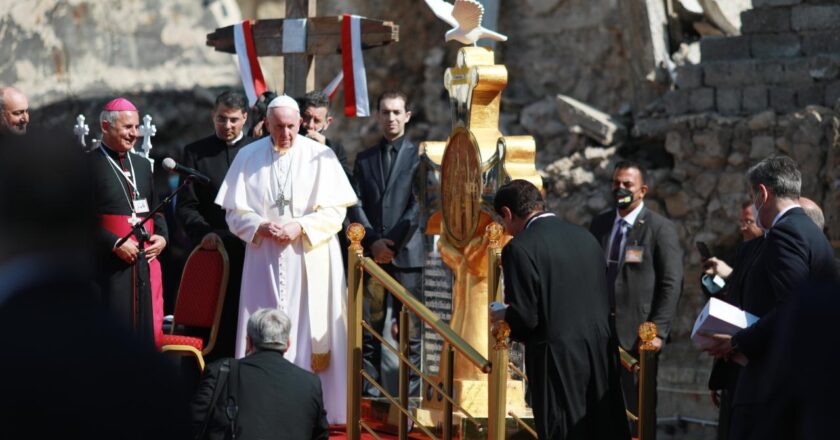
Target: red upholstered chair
(199, 303)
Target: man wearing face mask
(794, 252)
(644, 266)
(203, 220)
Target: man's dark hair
(520, 196)
(746, 204)
(780, 174)
(391, 94)
(314, 99)
(231, 99)
(627, 164)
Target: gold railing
(358, 265)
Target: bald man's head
(813, 211)
(14, 111)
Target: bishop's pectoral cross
(303, 40)
(281, 203)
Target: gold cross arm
(323, 36)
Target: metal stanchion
(647, 382)
(498, 347)
(403, 420)
(449, 387)
(355, 233)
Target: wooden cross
(323, 37)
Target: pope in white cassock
(286, 197)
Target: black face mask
(623, 197)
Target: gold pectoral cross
(281, 203)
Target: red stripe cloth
(256, 72)
(347, 66)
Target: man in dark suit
(724, 376)
(384, 179)
(793, 253)
(202, 218)
(570, 355)
(275, 398)
(644, 266)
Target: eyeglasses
(746, 223)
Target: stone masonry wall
(785, 59)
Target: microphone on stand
(188, 173)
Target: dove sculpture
(465, 18)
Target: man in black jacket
(570, 355)
(263, 394)
(644, 266)
(384, 179)
(203, 220)
(794, 252)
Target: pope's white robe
(305, 278)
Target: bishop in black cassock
(130, 284)
(203, 220)
(556, 291)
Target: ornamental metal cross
(81, 129)
(281, 202)
(147, 130)
(303, 40)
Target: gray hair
(269, 329)
(813, 211)
(109, 115)
(780, 174)
(816, 215)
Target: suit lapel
(400, 163)
(634, 234)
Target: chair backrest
(201, 293)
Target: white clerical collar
(537, 217)
(782, 212)
(238, 138)
(630, 218)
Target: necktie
(614, 260)
(388, 160)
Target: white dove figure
(465, 18)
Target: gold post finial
(355, 233)
(500, 330)
(647, 333)
(494, 234)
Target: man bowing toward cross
(286, 197)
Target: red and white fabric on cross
(331, 88)
(249, 65)
(355, 79)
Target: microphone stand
(142, 236)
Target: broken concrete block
(592, 122)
